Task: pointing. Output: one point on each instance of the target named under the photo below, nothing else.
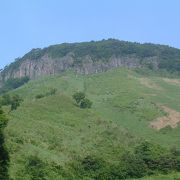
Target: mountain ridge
(92, 57)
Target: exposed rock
(49, 66)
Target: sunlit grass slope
(58, 132)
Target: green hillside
(51, 137)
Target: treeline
(13, 83)
(145, 160)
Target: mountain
(131, 131)
(92, 57)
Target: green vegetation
(168, 58)
(3, 152)
(81, 100)
(51, 138)
(147, 159)
(13, 83)
(14, 101)
(50, 93)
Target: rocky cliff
(48, 66)
(88, 58)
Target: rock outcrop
(92, 57)
(49, 66)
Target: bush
(39, 96)
(157, 158)
(36, 168)
(5, 100)
(86, 103)
(146, 159)
(81, 100)
(50, 93)
(15, 102)
(78, 97)
(133, 166)
(53, 91)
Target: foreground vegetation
(50, 137)
(4, 159)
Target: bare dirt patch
(173, 81)
(149, 83)
(171, 119)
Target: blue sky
(27, 24)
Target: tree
(15, 102)
(81, 100)
(85, 103)
(78, 97)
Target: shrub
(36, 168)
(133, 166)
(15, 102)
(85, 103)
(157, 158)
(5, 100)
(39, 96)
(50, 93)
(81, 100)
(78, 97)
(53, 91)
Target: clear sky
(27, 24)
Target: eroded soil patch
(172, 81)
(172, 119)
(148, 83)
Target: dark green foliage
(157, 158)
(39, 96)
(50, 93)
(91, 164)
(36, 168)
(13, 83)
(85, 103)
(78, 97)
(15, 102)
(3, 153)
(133, 166)
(146, 159)
(81, 100)
(5, 100)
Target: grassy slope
(58, 132)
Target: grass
(173, 176)
(58, 132)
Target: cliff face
(49, 66)
(92, 57)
